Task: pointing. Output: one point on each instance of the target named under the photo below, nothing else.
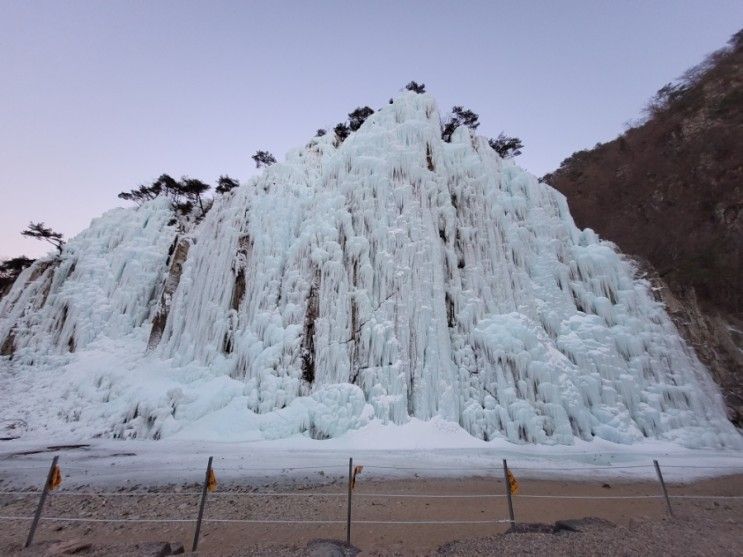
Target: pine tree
(10, 269)
(466, 117)
(448, 129)
(14, 266)
(40, 232)
(193, 189)
(460, 117)
(170, 187)
(358, 117)
(341, 132)
(416, 87)
(506, 146)
(225, 184)
(142, 193)
(263, 158)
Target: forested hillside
(670, 192)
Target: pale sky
(98, 97)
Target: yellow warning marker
(513, 482)
(211, 483)
(356, 470)
(56, 478)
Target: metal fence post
(663, 486)
(201, 505)
(350, 488)
(40, 506)
(508, 492)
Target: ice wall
(390, 276)
(103, 283)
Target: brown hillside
(670, 191)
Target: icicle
(392, 276)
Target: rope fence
(370, 495)
(320, 468)
(252, 521)
(209, 485)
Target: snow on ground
(434, 448)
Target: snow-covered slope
(392, 276)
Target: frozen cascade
(391, 276)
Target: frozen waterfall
(393, 275)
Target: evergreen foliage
(10, 269)
(182, 194)
(193, 189)
(416, 87)
(358, 116)
(225, 184)
(168, 185)
(142, 193)
(460, 117)
(341, 132)
(263, 158)
(506, 146)
(41, 232)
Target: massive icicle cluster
(393, 275)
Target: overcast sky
(98, 97)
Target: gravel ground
(702, 526)
(708, 536)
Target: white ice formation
(393, 275)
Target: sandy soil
(706, 526)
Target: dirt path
(234, 502)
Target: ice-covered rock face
(394, 275)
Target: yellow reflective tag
(211, 483)
(513, 483)
(56, 480)
(356, 470)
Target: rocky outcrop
(716, 337)
(177, 259)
